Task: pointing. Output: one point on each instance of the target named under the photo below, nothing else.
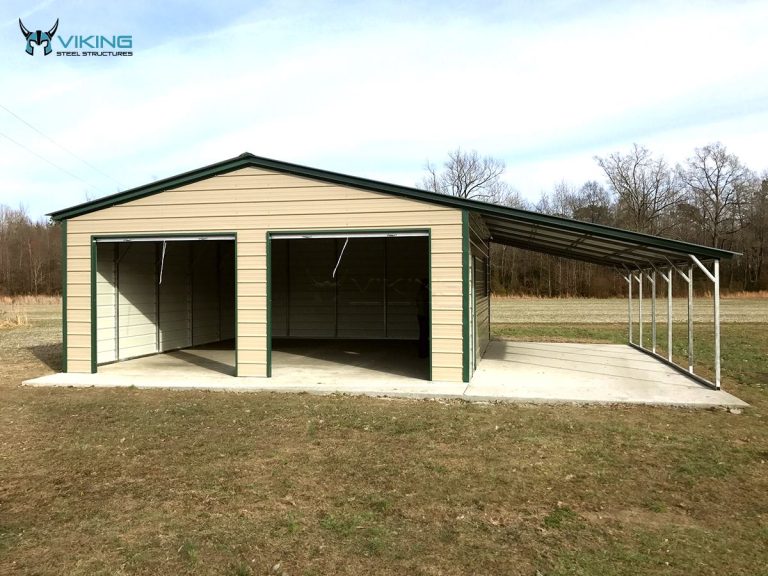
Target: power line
(20, 145)
(67, 150)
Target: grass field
(612, 310)
(120, 481)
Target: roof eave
(493, 210)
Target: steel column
(690, 318)
(628, 278)
(669, 315)
(640, 306)
(652, 278)
(717, 323)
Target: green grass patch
(125, 481)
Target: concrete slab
(510, 372)
(588, 373)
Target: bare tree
(716, 179)
(752, 239)
(645, 186)
(468, 175)
(30, 254)
(592, 203)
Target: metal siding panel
(279, 278)
(389, 212)
(407, 267)
(360, 289)
(205, 296)
(311, 290)
(106, 294)
(175, 297)
(137, 314)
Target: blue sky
(376, 89)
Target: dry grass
(13, 315)
(740, 295)
(27, 299)
(759, 294)
(120, 481)
(613, 310)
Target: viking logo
(39, 37)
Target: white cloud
(379, 95)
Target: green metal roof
(511, 226)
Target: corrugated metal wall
(252, 202)
(176, 297)
(373, 294)
(479, 248)
(106, 303)
(138, 314)
(137, 300)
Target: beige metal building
(252, 254)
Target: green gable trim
(247, 160)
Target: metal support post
(628, 278)
(652, 278)
(669, 315)
(717, 323)
(715, 278)
(640, 306)
(690, 318)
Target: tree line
(30, 254)
(711, 198)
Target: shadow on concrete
(198, 357)
(395, 357)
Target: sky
(374, 89)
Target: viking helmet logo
(38, 37)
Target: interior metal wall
(175, 297)
(373, 294)
(106, 303)
(148, 302)
(137, 299)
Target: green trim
(63, 295)
(93, 304)
(108, 237)
(94, 238)
(269, 304)
(431, 315)
(270, 233)
(249, 160)
(320, 231)
(465, 373)
(237, 307)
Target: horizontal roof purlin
(523, 228)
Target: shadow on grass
(48, 354)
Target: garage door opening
(165, 304)
(350, 304)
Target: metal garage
(272, 262)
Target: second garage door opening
(351, 301)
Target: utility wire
(44, 159)
(67, 150)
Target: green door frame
(271, 233)
(160, 235)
